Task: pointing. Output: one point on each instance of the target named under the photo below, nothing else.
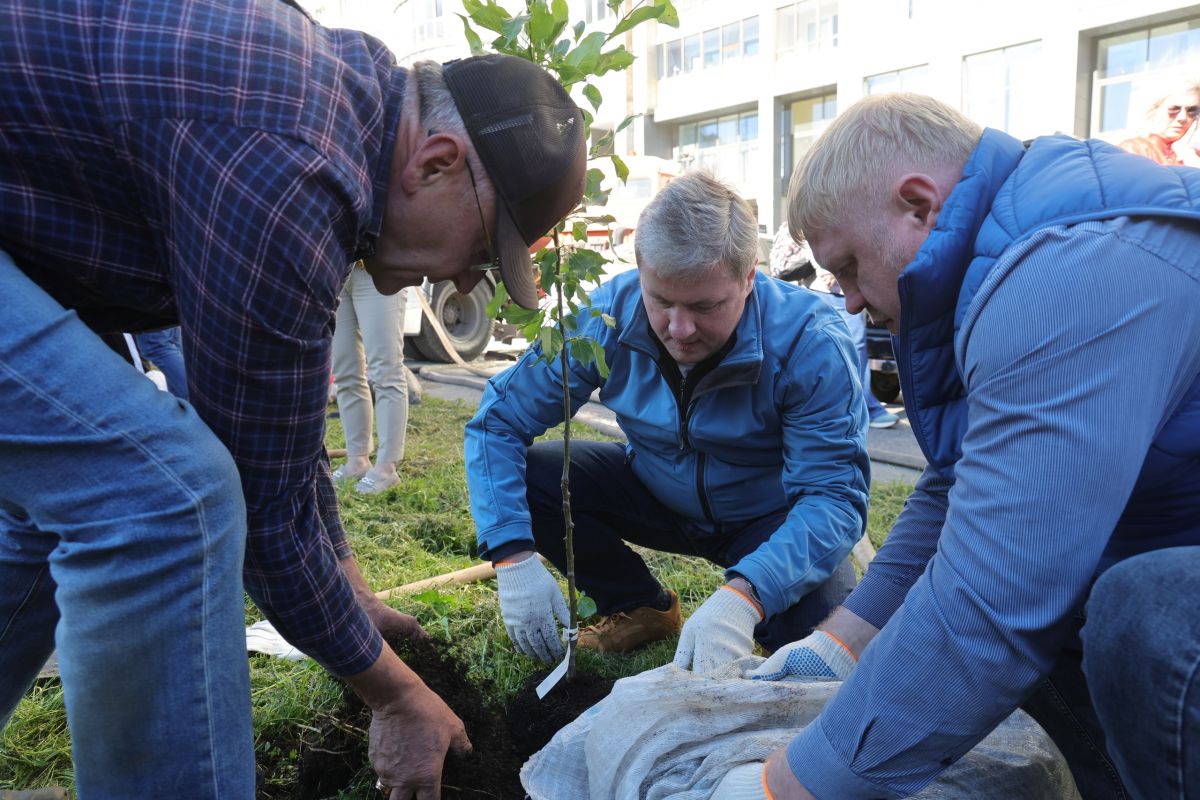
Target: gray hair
(867, 147)
(696, 223)
(439, 113)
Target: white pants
(368, 342)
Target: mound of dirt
(336, 751)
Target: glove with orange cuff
(721, 631)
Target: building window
(750, 37)
(806, 27)
(691, 53)
(913, 79)
(431, 21)
(1001, 89)
(712, 48)
(1136, 68)
(708, 50)
(674, 58)
(731, 42)
(801, 122)
(597, 10)
(727, 145)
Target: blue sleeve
(1063, 403)
(518, 405)
(826, 471)
(909, 546)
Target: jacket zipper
(683, 400)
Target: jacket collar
(741, 365)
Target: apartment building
(744, 87)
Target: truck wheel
(885, 386)
(463, 316)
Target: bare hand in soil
(394, 625)
(408, 745)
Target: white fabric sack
(670, 733)
(261, 637)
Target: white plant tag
(550, 681)
(553, 678)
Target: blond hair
(870, 144)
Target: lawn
(419, 529)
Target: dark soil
(334, 754)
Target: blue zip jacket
(1050, 360)
(779, 424)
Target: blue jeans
(858, 332)
(122, 534)
(1141, 656)
(610, 506)
(165, 350)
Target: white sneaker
(885, 420)
(372, 483)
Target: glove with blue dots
(818, 655)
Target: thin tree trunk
(568, 524)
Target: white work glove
(529, 601)
(721, 631)
(745, 782)
(818, 655)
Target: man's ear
(439, 156)
(918, 198)
(750, 280)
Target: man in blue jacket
(746, 445)
(1050, 555)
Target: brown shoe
(629, 630)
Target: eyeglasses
(1192, 111)
(494, 262)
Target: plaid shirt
(219, 163)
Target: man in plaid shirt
(220, 164)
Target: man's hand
(408, 744)
(390, 622)
(721, 631)
(818, 655)
(529, 601)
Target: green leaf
(578, 29)
(498, 300)
(579, 231)
(595, 176)
(489, 15)
(513, 30)
(601, 361)
(609, 321)
(635, 18)
(621, 168)
(541, 24)
(551, 340)
(669, 16)
(625, 122)
(614, 60)
(593, 96)
(473, 40)
(581, 351)
(585, 606)
(586, 54)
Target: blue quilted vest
(1006, 194)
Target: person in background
(1171, 119)
(746, 433)
(220, 164)
(164, 350)
(368, 343)
(792, 261)
(1049, 556)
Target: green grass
(419, 529)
